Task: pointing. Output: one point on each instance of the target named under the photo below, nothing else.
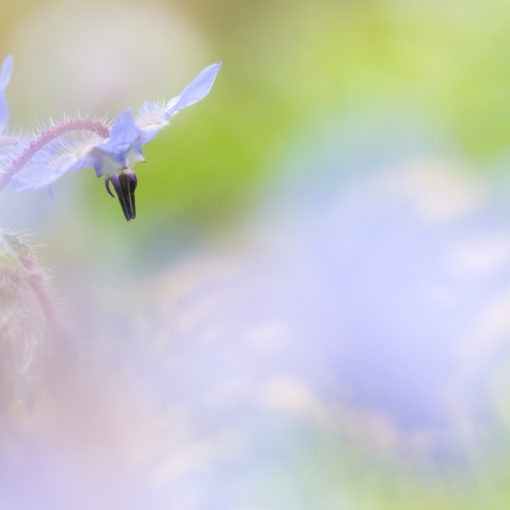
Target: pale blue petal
(124, 130)
(88, 160)
(150, 121)
(125, 134)
(152, 117)
(197, 89)
(5, 153)
(148, 134)
(48, 153)
(13, 150)
(4, 112)
(139, 154)
(38, 175)
(5, 74)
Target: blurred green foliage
(286, 66)
(289, 65)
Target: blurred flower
(112, 152)
(5, 77)
(7, 143)
(27, 320)
(357, 313)
(370, 304)
(362, 317)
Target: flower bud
(26, 314)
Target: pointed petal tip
(213, 68)
(197, 89)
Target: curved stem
(47, 136)
(44, 301)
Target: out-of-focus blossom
(5, 77)
(363, 314)
(113, 152)
(357, 317)
(28, 323)
(7, 143)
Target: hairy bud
(26, 321)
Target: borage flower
(112, 151)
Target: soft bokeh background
(312, 308)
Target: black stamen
(125, 185)
(107, 184)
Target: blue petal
(6, 153)
(197, 89)
(5, 75)
(152, 117)
(39, 175)
(149, 134)
(124, 130)
(150, 121)
(124, 136)
(12, 151)
(4, 112)
(36, 176)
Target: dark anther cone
(125, 185)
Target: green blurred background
(288, 66)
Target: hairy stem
(44, 302)
(47, 136)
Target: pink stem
(56, 333)
(44, 301)
(34, 280)
(47, 136)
